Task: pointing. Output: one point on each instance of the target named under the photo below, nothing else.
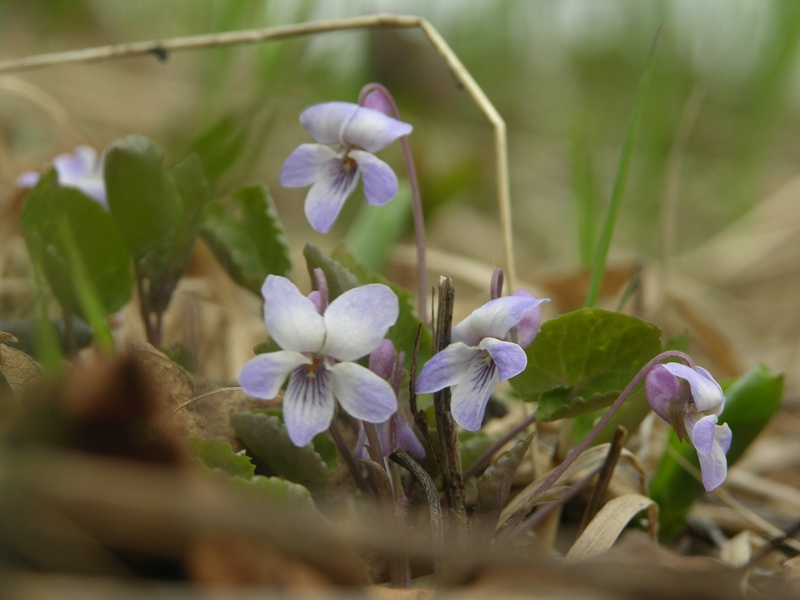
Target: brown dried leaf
(17, 368)
(605, 528)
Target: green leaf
(339, 278)
(283, 495)
(752, 401)
(371, 236)
(216, 454)
(145, 202)
(266, 437)
(247, 236)
(471, 446)
(97, 244)
(403, 333)
(581, 361)
(195, 193)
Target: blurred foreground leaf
(247, 236)
(752, 400)
(581, 361)
(219, 455)
(96, 243)
(266, 437)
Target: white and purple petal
(263, 376)
(713, 462)
(358, 320)
(372, 130)
(327, 122)
(706, 392)
(661, 386)
(362, 393)
(508, 357)
(493, 319)
(304, 165)
(380, 182)
(292, 319)
(470, 396)
(531, 321)
(308, 404)
(447, 368)
(335, 182)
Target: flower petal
(263, 375)
(362, 393)
(308, 404)
(701, 432)
(468, 403)
(531, 321)
(714, 465)
(304, 165)
(382, 359)
(380, 182)
(358, 320)
(508, 357)
(28, 179)
(372, 130)
(446, 368)
(335, 182)
(706, 392)
(493, 319)
(660, 387)
(292, 319)
(76, 166)
(326, 122)
(407, 439)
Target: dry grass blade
(604, 529)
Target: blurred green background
(718, 141)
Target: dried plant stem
(604, 479)
(402, 458)
(452, 481)
(349, 459)
(162, 48)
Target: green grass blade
(607, 232)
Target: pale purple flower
(348, 136)
(317, 356)
(403, 434)
(82, 170)
(480, 355)
(691, 401)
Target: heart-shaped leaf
(219, 455)
(581, 361)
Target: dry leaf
(604, 529)
(17, 368)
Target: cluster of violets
(321, 342)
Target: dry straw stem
(161, 50)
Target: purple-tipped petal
(76, 166)
(380, 182)
(531, 321)
(28, 179)
(377, 100)
(446, 368)
(468, 403)
(706, 392)
(660, 387)
(292, 319)
(362, 393)
(493, 319)
(407, 439)
(382, 359)
(308, 404)
(358, 320)
(372, 130)
(326, 122)
(304, 165)
(335, 182)
(508, 357)
(701, 433)
(714, 465)
(263, 375)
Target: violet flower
(317, 355)
(481, 355)
(691, 400)
(82, 170)
(348, 137)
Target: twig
(402, 458)
(604, 479)
(161, 49)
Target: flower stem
(349, 459)
(416, 199)
(603, 421)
